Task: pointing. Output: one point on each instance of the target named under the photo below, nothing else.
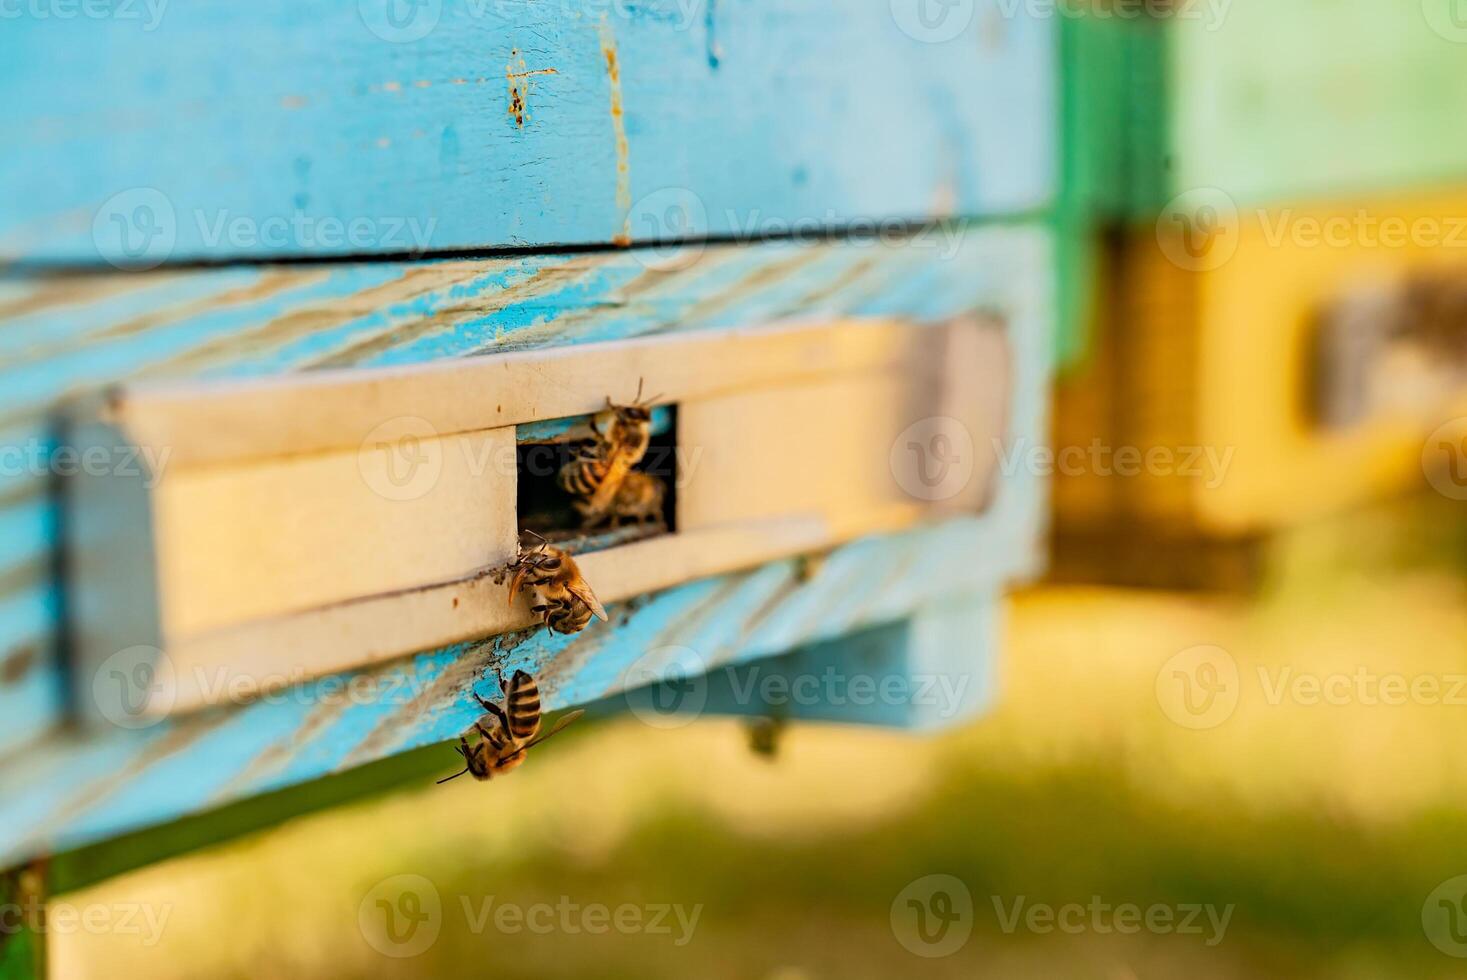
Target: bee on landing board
(558, 594)
(506, 734)
(620, 437)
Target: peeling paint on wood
(396, 131)
(65, 789)
(619, 132)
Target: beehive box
(1282, 308)
(252, 300)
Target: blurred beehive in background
(1275, 305)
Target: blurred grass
(1325, 826)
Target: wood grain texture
(66, 792)
(270, 320)
(272, 128)
(785, 445)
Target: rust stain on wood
(520, 85)
(619, 129)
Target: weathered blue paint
(815, 113)
(467, 308)
(555, 430)
(35, 334)
(933, 669)
(67, 791)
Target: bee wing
(583, 592)
(564, 720)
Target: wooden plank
(767, 473)
(957, 682)
(291, 319)
(522, 124)
(932, 670)
(71, 790)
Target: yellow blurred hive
(1277, 363)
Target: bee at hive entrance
(591, 483)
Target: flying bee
(620, 435)
(558, 594)
(506, 734)
(638, 499)
(765, 736)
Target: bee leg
(462, 748)
(493, 709)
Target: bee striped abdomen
(522, 704)
(583, 475)
(569, 617)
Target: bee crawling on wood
(506, 734)
(620, 437)
(558, 594)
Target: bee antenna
(453, 777)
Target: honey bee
(638, 499)
(620, 435)
(558, 594)
(506, 734)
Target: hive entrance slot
(544, 507)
